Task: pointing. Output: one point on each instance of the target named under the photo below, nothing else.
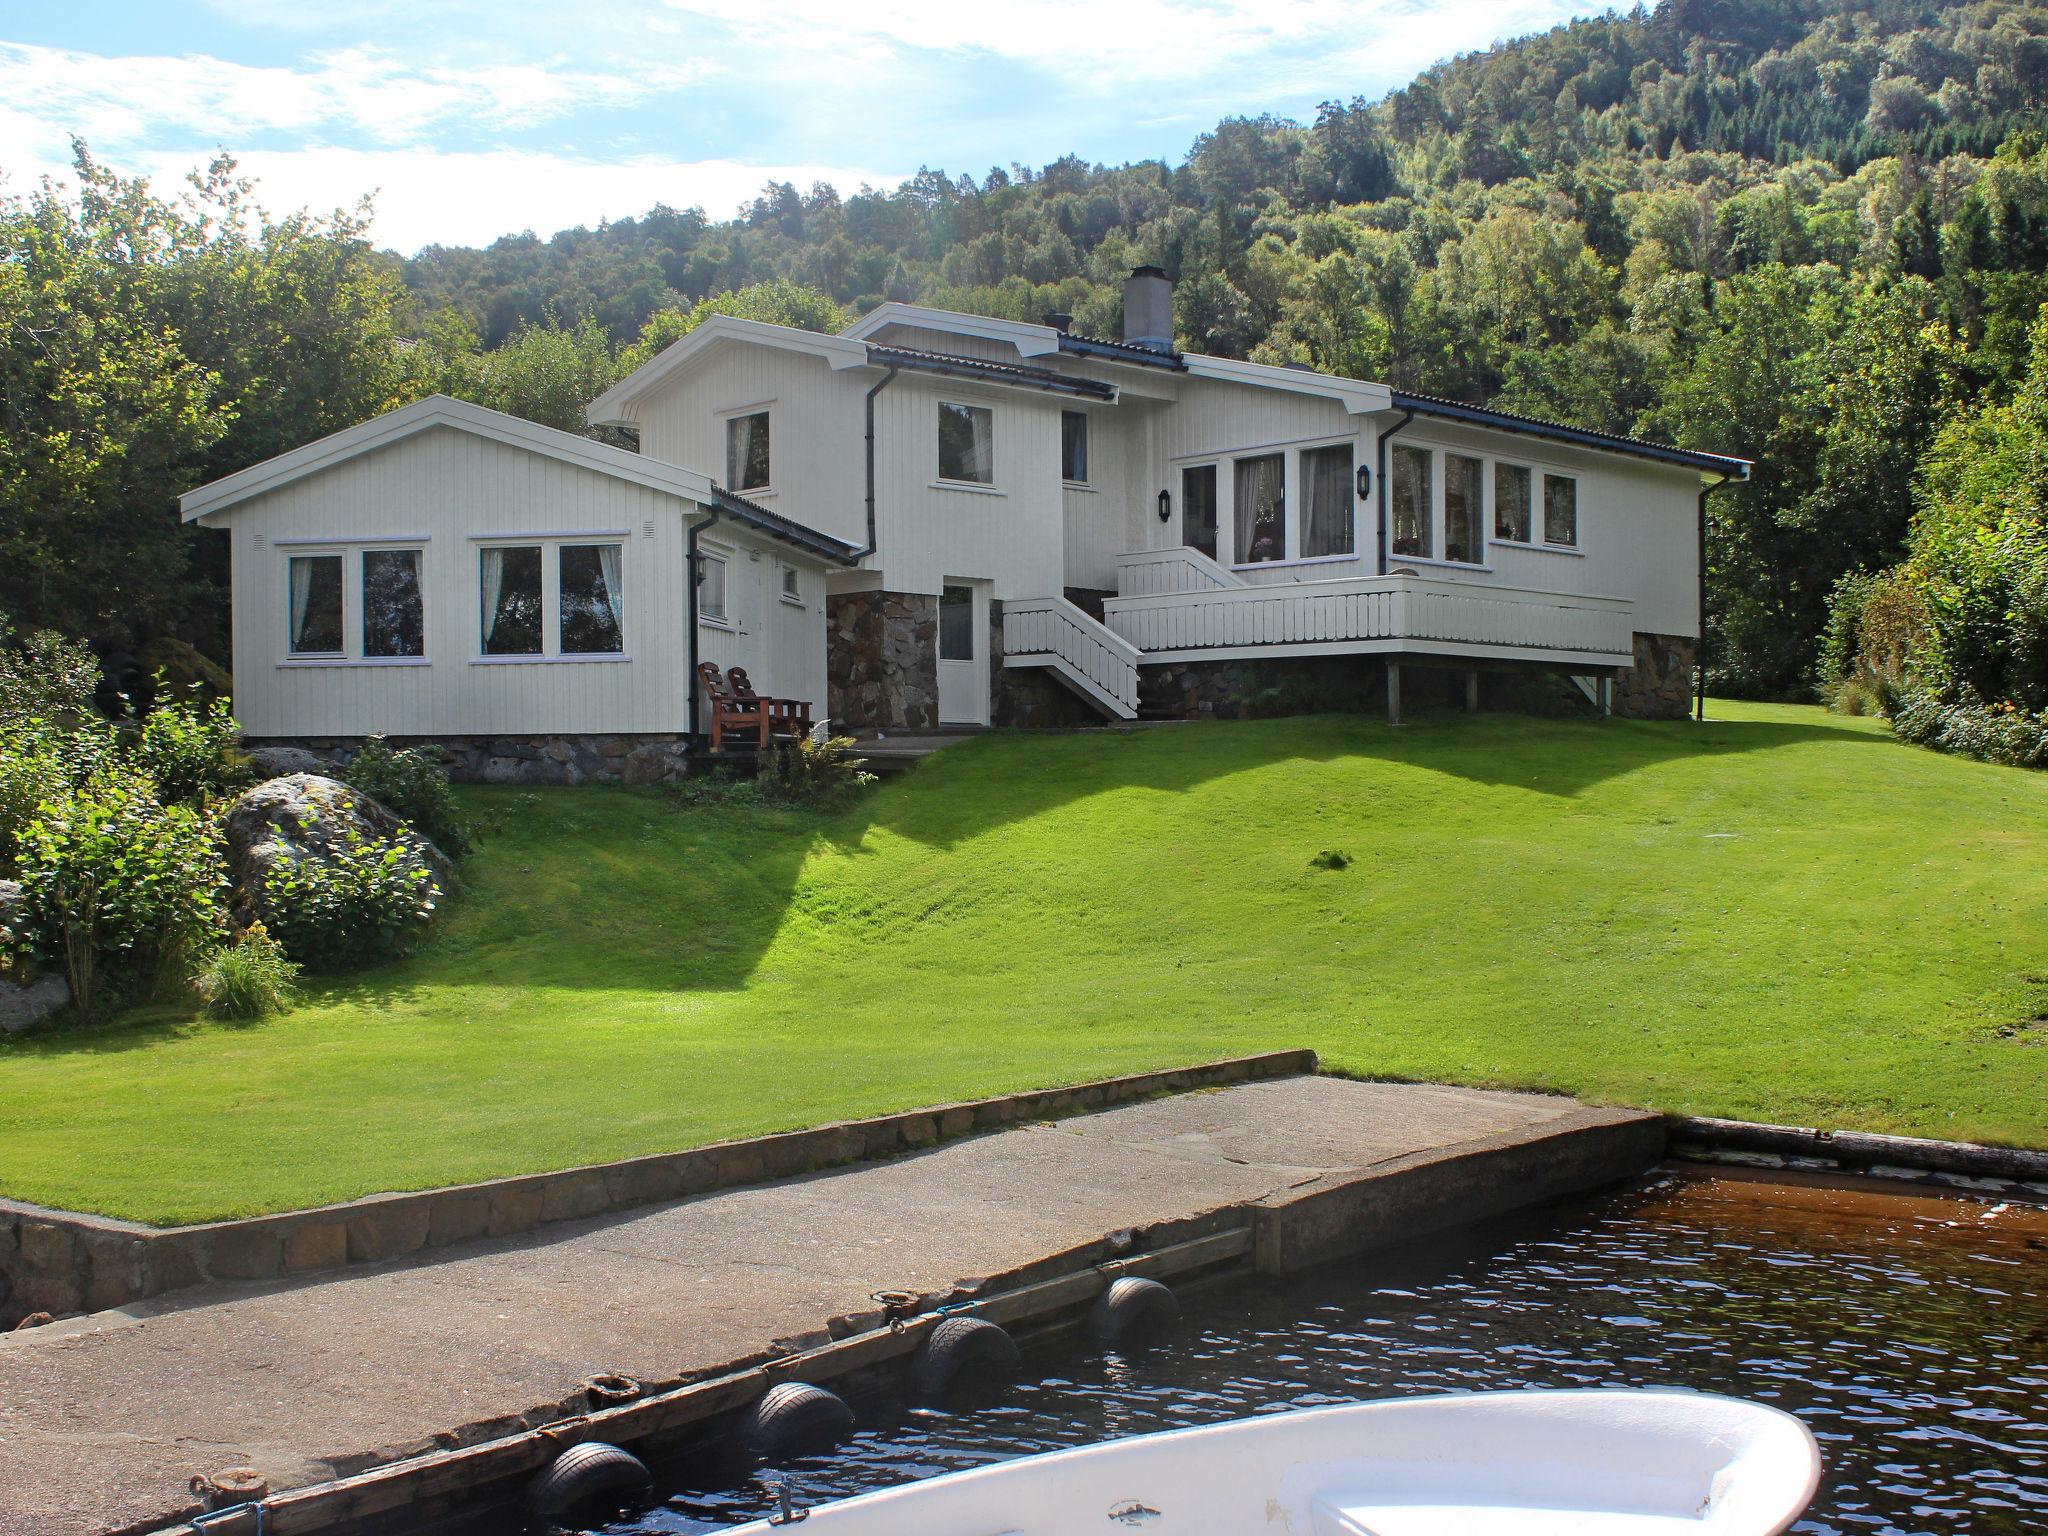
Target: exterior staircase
(1089, 657)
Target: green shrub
(370, 900)
(191, 747)
(120, 889)
(414, 787)
(814, 772)
(251, 978)
(47, 682)
(1991, 733)
(30, 772)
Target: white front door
(963, 654)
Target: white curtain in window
(981, 448)
(1326, 513)
(1259, 509)
(614, 594)
(494, 588)
(302, 588)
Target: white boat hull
(1578, 1463)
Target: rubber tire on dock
(793, 1417)
(592, 1478)
(962, 1354)
(1134, 1310)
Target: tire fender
(1133, 1309)
(961, 1352)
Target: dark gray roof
(1024, 374)
(1584, 437)
(776, 526)
(1121, 352)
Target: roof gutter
(1585, 437)
(1699, 706)
(1407, 415)
(1016, 377)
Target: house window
(1409, 497)
(1074, 446)
(1198, 508)
(511, 600)
(1464, 508)
(746, 452)
(967, 445)
(593, 600)
(1560, 510)
(1326, 520)
(1511, 503)
(711, 588)
(393, 617)
(315, 605)
(956, 624)
(792, 585)
(1259, 518)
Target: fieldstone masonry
(1659, 685)
(647, 758)
(882, 660)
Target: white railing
(1152, 572)
(1379, 613)
(1052, 632)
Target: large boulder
(279, 762)
(24, 1007)
(303, 817)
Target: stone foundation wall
(593, 759)
(1659, 685)
(882, 661)
(1031, 698)
(1251, 690)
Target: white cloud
(426, 197)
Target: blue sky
(470, 119)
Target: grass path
(1783, 915)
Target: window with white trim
(1464, 509)
(591, 613)
(967, 443)
(1074, 447)
(1259, 509)
(1326, 520)
(1560, 510)
(792, 584)
(711, 588)
(747, 465)
(1512, 504)
(394, 612)
(510, 599)
(552, 599)
(1411, 502)
(314, 614)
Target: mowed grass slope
(1781, 915)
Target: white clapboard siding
(1381, 613)
(1052, 632)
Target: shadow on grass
(594, 889)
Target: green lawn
(1782, 915)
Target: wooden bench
(748, 715)
(786, 717)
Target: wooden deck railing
(1052, 632)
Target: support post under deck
(1393, 693)
(1471, 690)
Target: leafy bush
(369, 901)
(1991, 733)
(120, 888)
(47, 683)
(251, 978)
(191, 747)
(413, 786)
(811, 771)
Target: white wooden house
(943, 519)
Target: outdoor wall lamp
(1365, 482)
(1166, 506)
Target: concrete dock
(104, 1419)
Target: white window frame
(725, 419)
(990, 486)
(1535, 474)
(790, 579)
(550, 546)
(1543, 505)
(1086, 482)
(1538, 541)
(350, 551)
(721, 556)
(1297, 511)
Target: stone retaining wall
(882, 660)
(646, 758)
(62, 1262)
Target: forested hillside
(1810, 232)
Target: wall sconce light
(1365, 482)
(1166, 506)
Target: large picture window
(1326, 521)
(315, 605)
(967, 443)
(1560, 510)
(746, 452)
(1074, 447)
(1198, 508)
(1410, 496)
(1259, 511)
(394, 620)
(511, 576)
(1511, 503)
(1464, 508)
(593, 601)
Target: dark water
(1910, 1333)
